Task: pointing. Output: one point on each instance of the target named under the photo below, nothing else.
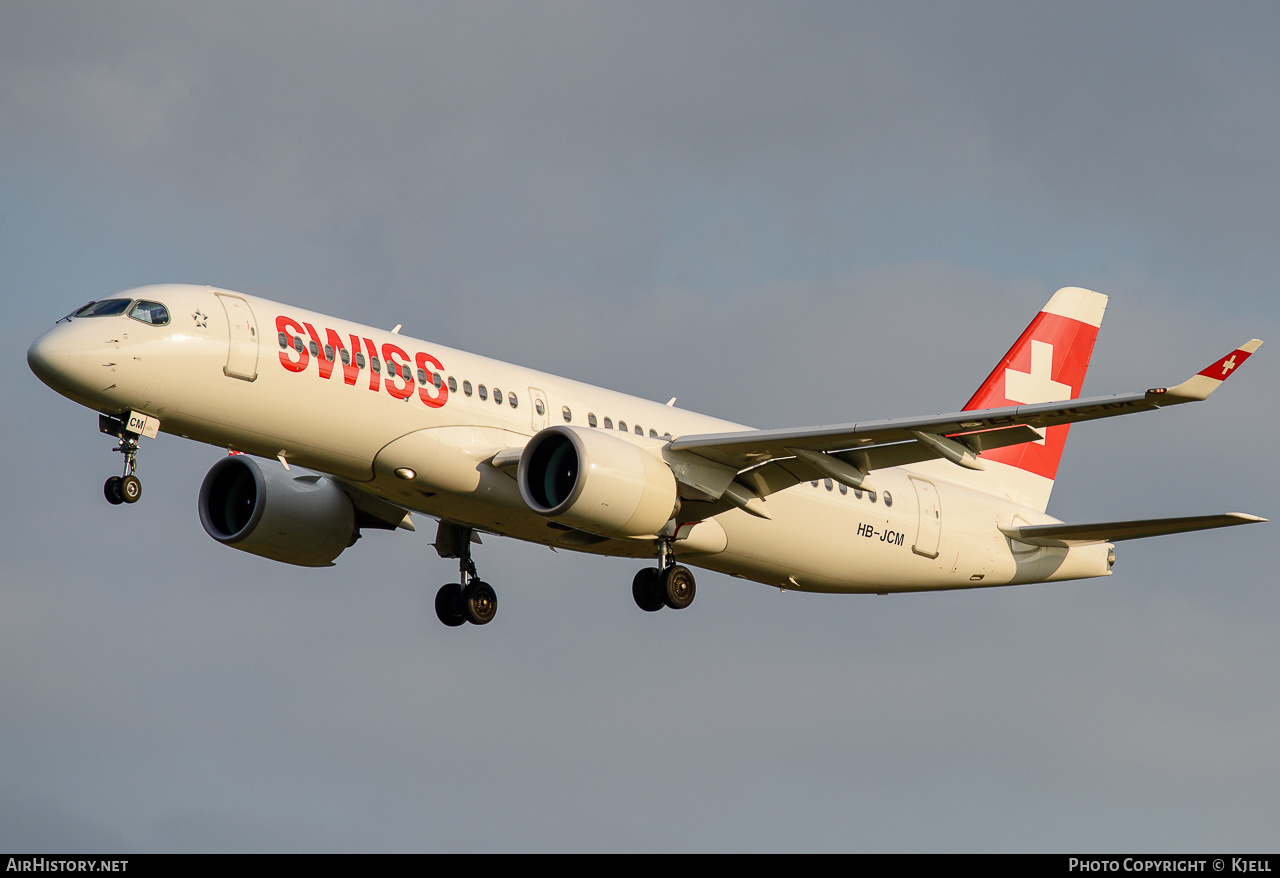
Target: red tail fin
(1047, 363)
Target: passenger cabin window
(482, 392)
(653, 434)
(591, 419)
(541, 409)
(568, 415)
(453, 385)
(359, 360)
(497, 396)
(639, 430)
(466, 387)
(436, 381)
(608, 423)
(888, 499)
(346, 356)
(511, 399)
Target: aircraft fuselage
(371, 407)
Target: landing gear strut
(667, 585)
(125, 488)
(471, 600)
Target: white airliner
(390, 425)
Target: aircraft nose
(48, 357)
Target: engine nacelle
(596, 482)
(298, 518)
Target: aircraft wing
(1114, 531)
(959, 436)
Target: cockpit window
(105, 308)
(150, 312)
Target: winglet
(1199, 386)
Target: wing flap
(782, 473)
(757, 446)
(1114, 531)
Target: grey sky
(781, 214)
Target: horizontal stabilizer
(1114, 531)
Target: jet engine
(596, 482)
(299, 518)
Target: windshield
(104, 308)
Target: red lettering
(350, 368)
(401, 370)
(291, 331)
(400, 380)
(375, 378)
(324, 364)
(429, 393)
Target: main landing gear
(471, 600)
(667, 585)
(474, 600)
(125, 488)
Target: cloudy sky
(783, 214)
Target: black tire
(678, 587)
(449, 605)
(111, 490)
(646, 591)
(131, 489)
(479, 602)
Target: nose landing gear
(125, 488)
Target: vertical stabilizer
(1047, 363)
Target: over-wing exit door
(930, 518)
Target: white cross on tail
(1038, 384)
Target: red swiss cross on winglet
(1205, 382)
(1223, 367)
